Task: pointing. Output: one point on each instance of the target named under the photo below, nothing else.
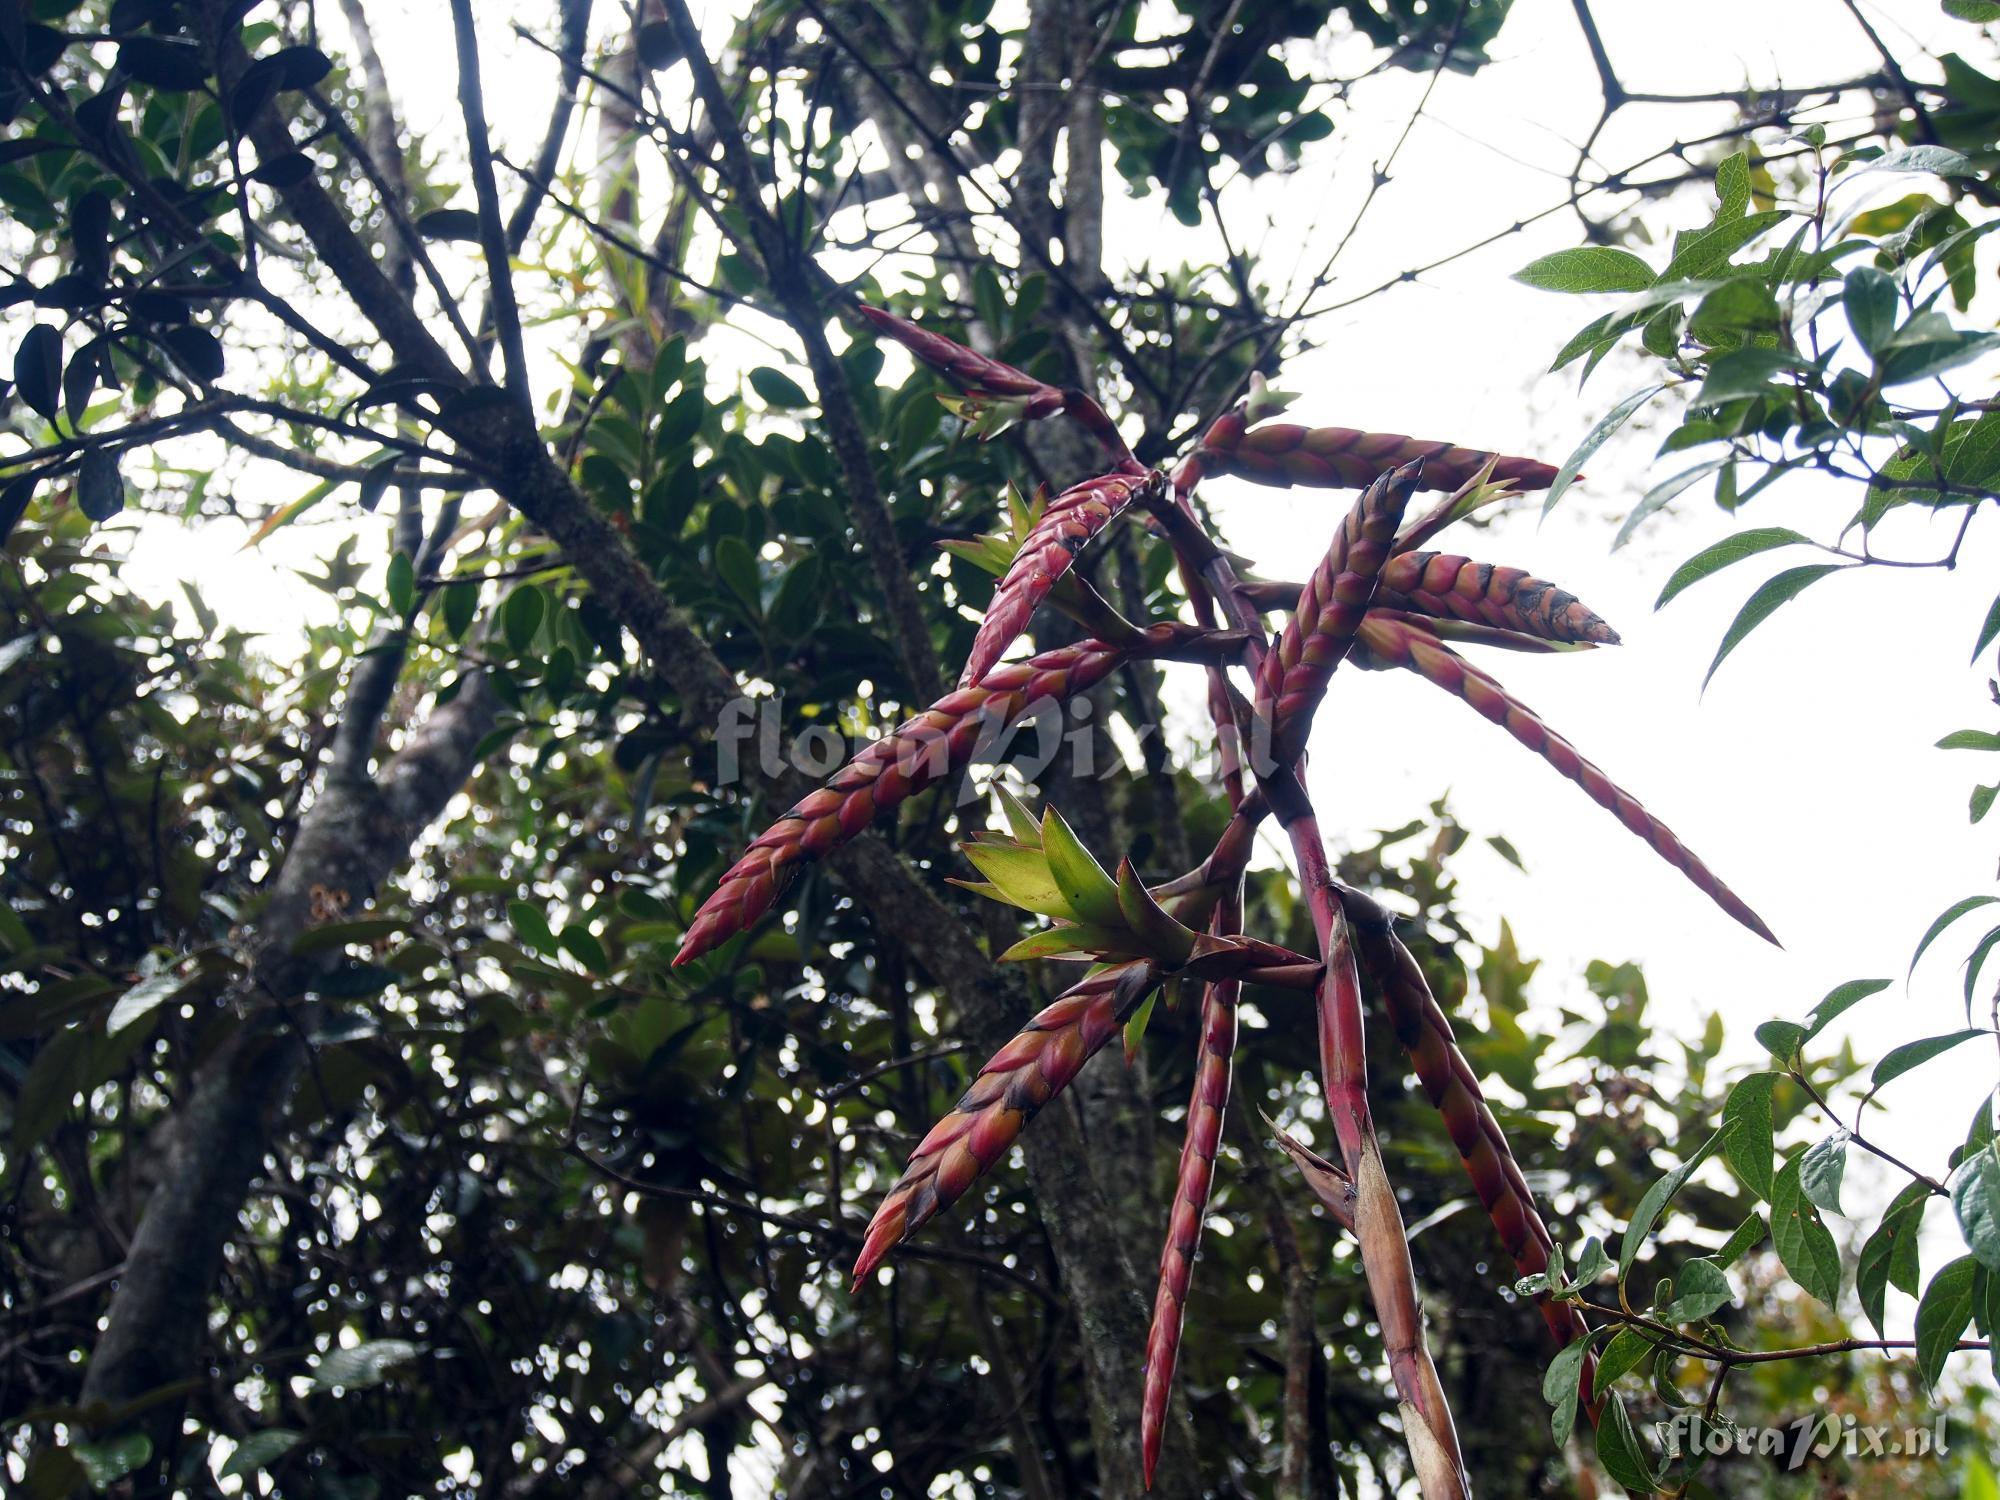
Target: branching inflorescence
(1376, 599)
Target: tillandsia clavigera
(1380, 599)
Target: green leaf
(1091, 893)
(1593, 1262)
(142, 1000)
(1662, 494)
(1621, 1452)
(1804, 1243)
(1975, 1198)
(1940, 161)
(1950, 915)
(1981, 802)
(736, 566)
(1072, 940)
(1731, 549)
(1021, 876)
(1974, 962)
(461, 601)
(1135, 1029)
(1747, 1142)
(1871, 301)
(532, 927)
(362, 1366)
(1748, 1235)
(1942, 1316)
(1970, 739)
(402, 584)
(1628, 1347)
(1609, 423)
(1839, 1001)
(1699, 1292)
(1743, 372)
(1732, 188)
(1592, 268)
(1889, 1255)
(1989, 629)
(581, 944)
(1979, 12)
(1706, 253)
(521, 616)
(1920, 359)
(1782, 1039)
(107, 1461)
(260, 1450)
(1821, 1170)
(778, 389)
(1767, 601)
(1915, 1054)
(1023, 823)
(14, 935)
(1655, 1201)
(1560, 1386)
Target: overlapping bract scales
(1046, 552)
(1452, 587)
(1286, 453)
(1396, 643)
(937, 743)
(1448, 1081)
(1214, 1057)
(1331, 606)
(971, 372)
(1015, 1083)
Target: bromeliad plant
(1378, 600)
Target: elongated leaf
(1620, 1451)
(363, 1365)
(1746, 1124)
(1708, 252)
(1950, 915)
(1086, 886)
(1627, 1349)
(1870, 296)
(1888, 1255)
(1656, 1198)
(1662, 494)
(1975, 1198)
(142, 1000)
(1609, 423)
(1767, 601)
(1021, 875)
(1749, 1234)
(259, 1451)
(1560, 1386)
(1943, 1315)
(1970, 739)
(1839, 1001)
(1915, 1054)
(1821, 1170)
(1804, 1243)
(1589, 268)
(1731, 549)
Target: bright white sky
(1805, 776)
